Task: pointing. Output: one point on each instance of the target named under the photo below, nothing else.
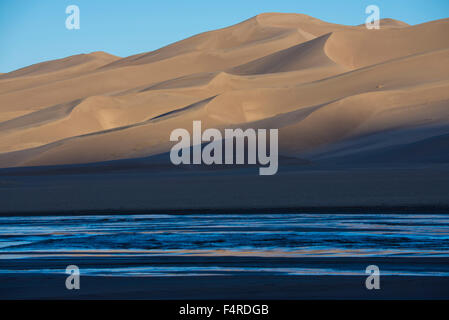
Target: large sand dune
(334, 91)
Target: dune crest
(97, 58)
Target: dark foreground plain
(224, 287)
(128, 188)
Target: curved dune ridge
(305, 55)
(336, 93)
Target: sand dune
(56, 70)
(306, 55)
(337, 93)
(100, 58)
(390, 23)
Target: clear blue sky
(32, 31)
